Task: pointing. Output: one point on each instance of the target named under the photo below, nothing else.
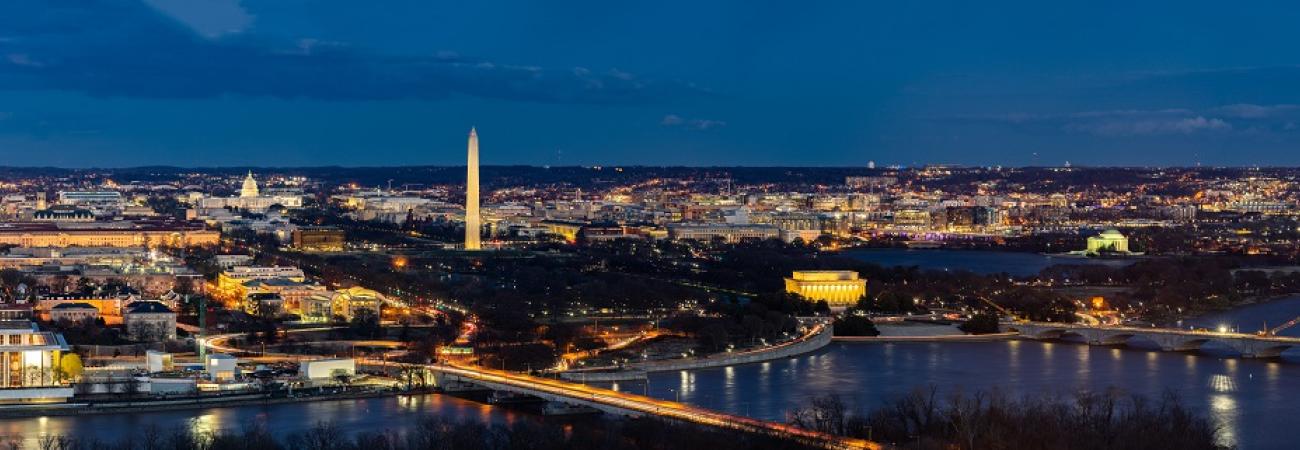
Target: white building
(246, 273)
(221, 367)
(28, 362)
(251, 198)
(327, 369)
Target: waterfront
(977, 261)
(376, 414)
(1253, 318)
(1249, 399)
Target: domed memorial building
(1110, 241)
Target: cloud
(1150, 126)
(126, 49)
(1251, 111)
(1118, 123)
(673, 120)
(210, 18)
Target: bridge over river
(452, 377)
(1169, 339)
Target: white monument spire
(472, 225)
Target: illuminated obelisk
(472, 227)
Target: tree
(982, 323)
(855, 325)
(70, 367)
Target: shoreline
(807, 344)
(935, 338)
(1259, 300)
(90, 409)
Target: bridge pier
(1176, 343)
(1170, 340)
(452, 383)
(1250, 348)
(1103, 337)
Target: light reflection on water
(1248, 399)
(369, 415)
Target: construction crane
(1273, 331)
(1008, 312)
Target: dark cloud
(121, 48)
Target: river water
(977, 261)
(1253, 401)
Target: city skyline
(259, 83)
(269, 225)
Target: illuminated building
(264, 304)
(1109, 241)
(101, 203)
(355, 301)
(63, 214)
(317, 307)
(327, 370)
(74, 312)
(123, 233)
(323, 239)
(70, 256)
(566, 229)
(221, 367)
(28, 362)
(251, 198)
(324, 306)
(292, 292)
(839, 288)
(249, 189)
(108, 307)
(472, 219)
(245, 273)
(727, 232)
(231, 287)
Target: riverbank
(819, 337)
(934, 338)
(177, 404)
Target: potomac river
(1252, 400)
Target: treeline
(434, 434)
(733, 320)
(992, 421)
(1189, 284)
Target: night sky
(344, 82)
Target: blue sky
(341, 82)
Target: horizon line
(652, 166)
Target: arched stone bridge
(1169, 339)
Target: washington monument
(472, 227)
